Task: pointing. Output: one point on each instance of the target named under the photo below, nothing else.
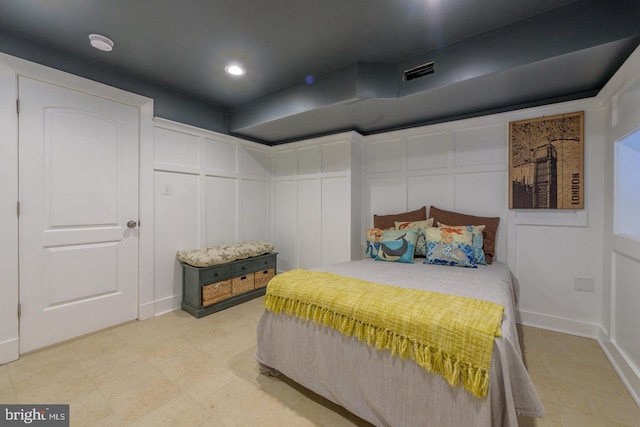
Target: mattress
(386, 390)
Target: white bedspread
(386, 390)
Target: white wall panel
(285, 163)
(463, 166)
(254, 162)
(621, 286)
(628, 102)
(548, 260)
(228, 198)
(385, 196)
(175, 148)
(485, 145)
(429, 190)
(385, 156)
(177, 226)
(309, 159)
(285, 220)
(336, 157)
(254, 220)
(221, 213)
(484, 194)
(220, 156)
(313, 222)
(429, 151)
(309, 223)
(627, 315)
(336, 236)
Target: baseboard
(168, 304)
(146, 310)
(9, 350)
(627, 373)
(559, 324)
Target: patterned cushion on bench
(220, 254)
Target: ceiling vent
(419, 71)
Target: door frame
(10, 68)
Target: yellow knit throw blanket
(446, 334)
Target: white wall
(463, 166)
(315, 183)
(208, 189)
(621, 298)
(9, 343)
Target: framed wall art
(546, 162)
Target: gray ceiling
(318, 67)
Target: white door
(78, 189)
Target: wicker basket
(240, 285)
(263, 277)
(216, 292)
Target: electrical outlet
(166, 189)
(585, 284)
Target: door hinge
(18, 105)
(18, 209)
(19, 310)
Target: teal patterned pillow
(372, 249)
(478, 253)
(397, 245)
(421, 226)
(450, 246)
(477, 240)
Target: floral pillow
(223, 253)
(398, 245)
(450, 246)
(477, 241)
(373, 241)
(421, 244)
(456, 218)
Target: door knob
(132, 224)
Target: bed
(387, 390)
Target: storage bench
(206, 290)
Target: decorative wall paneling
(453, 167)
(208, 189)
(621, 294)
(316, 201)
(463, 166)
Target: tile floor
(175, 370)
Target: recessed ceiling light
(101, 42)
(234, 70)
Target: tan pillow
(455, 218)
(401, 225)
(386, 222)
